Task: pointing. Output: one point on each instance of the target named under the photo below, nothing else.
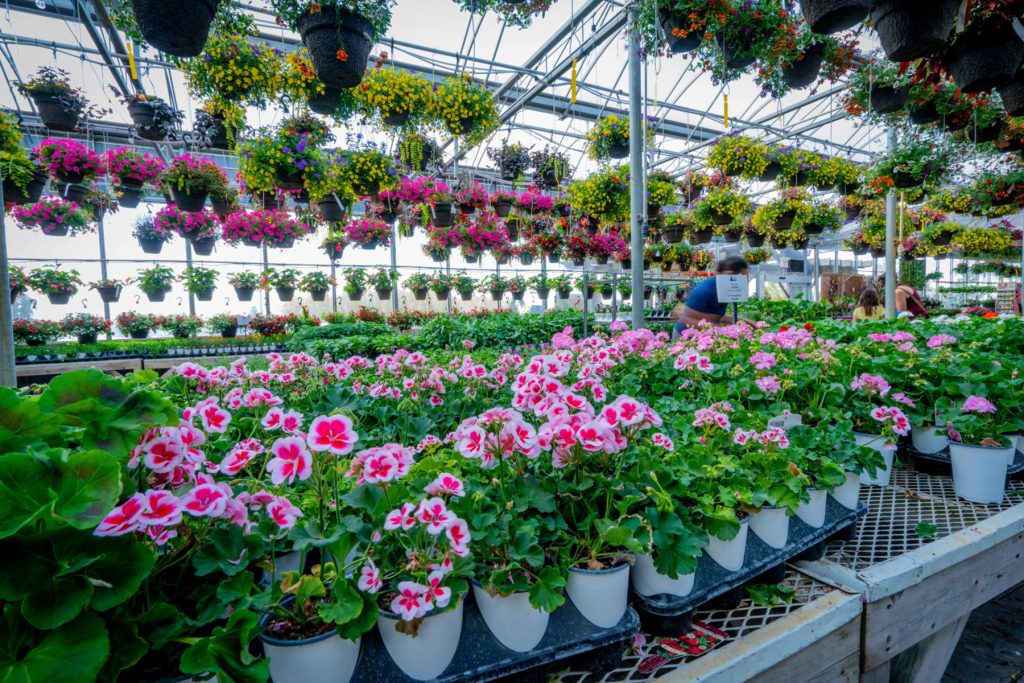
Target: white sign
(732, 288)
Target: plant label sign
(732, 288)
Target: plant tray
(570, 641)
(939, 463)
(666, 615)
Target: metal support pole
(817, 275)
(188, 264)
(334, 287)
(586, 302)
(394, 266)
(890, 243)
(103, 264)
(544, 274)
(266, 266)
(8, 378)
(637, 202)
(615, 296)
(448, 270)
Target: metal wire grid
(890, 528)
(738, 622)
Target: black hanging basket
(755, 241)
(735, 56)
(986, 134)
(442, 293)
(1012, 95)
(785, 220)
(885, 99)
(187, 201)
(229, 332)
(157, 297)
(245, 293)
(671, 21)
(318, 294)
(142, 113)
(203, 246)
(151, 245)
(87, 338)
(518, 296)
(420, 294)
(542, 292)
(832, 16)
(911, 29)
(466, 296)
(718, 218)
(355, 295)
(443, 216)
(618, 151)
(331, 210)
(327, 103)
(803, 72)
(204, 294)
(59, 299)
(30, 195)
(503, 209)
(178, 28)
(130, 197)
(902, 180)
(672, 235)
(109, 295)
(55, 112)
(563, 293)
(138, 334)
(987, 57)
(923, 114)
(339, 43)
(771, 172)
(553, 257)
(383, 293)
(550, 178)
(285, 293)
(526, 259)
(397, 119)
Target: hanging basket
(618, 151)
(832, 16)
(466, 296)
(187, 201)
(886, 99)
(755, 241)
(151, 245)
(203, 246)
(1012, 95)
(502, 209)
(205, 294)
(326, 103)
(383, 293)
(318, 294)
(785, 220)
(332, 33)
(718, 218)
(355, 295)
(986, 134)
(331, 210)
(987, 58)
(109, 295)
(397, 119)
(923, 114)
(672, 235)
(56, 115)
(14, 195)
(157, 297)
(285, 293)
(803, 72)
(911, 29)
(734, 56)
(130, 197)
(420, 294)
(245, 293)
(443, 216)
(671, 21)
(60, 298)
(178, 28)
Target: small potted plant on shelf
(55, 217)
(61, 106)
(224, 324)
(355, 283)
(58, 284)
(191, 180)
(181, 326)
(155, 282)
(368, 233)
(419, 285)
(131, 171)
(18, 279)
(464, 285)
(441, 285)
(109, 290)
(383, 281)
(151, 235)
(35, 332)
(245, 282)
(316, 284)
(69, 161)
(979, 448)
(551, 167)
(199, 281)
(137, 325)
(85, 327)
(284, 281)
(513, 160)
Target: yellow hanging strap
(131, 63)
(572, 88)
(725, 110)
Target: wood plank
(836, 657)
(168, 363)
(879, 674)
(50, 369)
(926, 662)
(900, 621)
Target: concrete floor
(991, 649)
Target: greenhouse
(512, 340)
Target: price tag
(732, 288)
(244, 320)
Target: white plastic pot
(979, 472)
(285, 562)
(648, 581)
(813, 511)
(516, 623)
(427, 654)
(848, 494)
(771, 524)
(600, 595)
(302, 661)
(730, 554)
(928, 439)
(1017, 441)
(881, 477)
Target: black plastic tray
(570, 641)
(720, 587)
(939, 463)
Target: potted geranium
(464, 285)
(876, 425)
(199, 281)
(35, 332)
(19, 282)
(131, 171)
(441, 285)
(155, 282)
(316, 283)
(608, 138)
(85, 327)
(516, 286)
(69, 161)
(59, 285)
(562, 284)
(54, 216)
(200, 228)
(355, 283)
(181, 326)
(224, 324)
(979, 448)
(152, 236)
(61, 106)
(419, 285)
(495, 284)
(383, 282)
(191, 180)
(109, 290)
(334, 244)
(284, 281)
(540, 284)
(245, 282)
(137, 325)
(368, 233)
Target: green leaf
(90, 483)
(25, 493)
(54, 603)
(345, 604)
(926, 530)
(72, 653)
(226, 652)
(364, 622)
(769, 595)
(119, 572)
(228, 550)
(546, 594)
(130, 648)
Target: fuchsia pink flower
(332, 434)
(978, 404)
(291, 461)
(446, 484)
(369, 578)
(940, 340)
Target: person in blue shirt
(703, 304)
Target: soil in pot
(333, 31)
(911, 29)
(55, 114)
(179, 28)
(886, 99)
(803, 72)
(301, 658)
(832, 16)
(186, 201)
